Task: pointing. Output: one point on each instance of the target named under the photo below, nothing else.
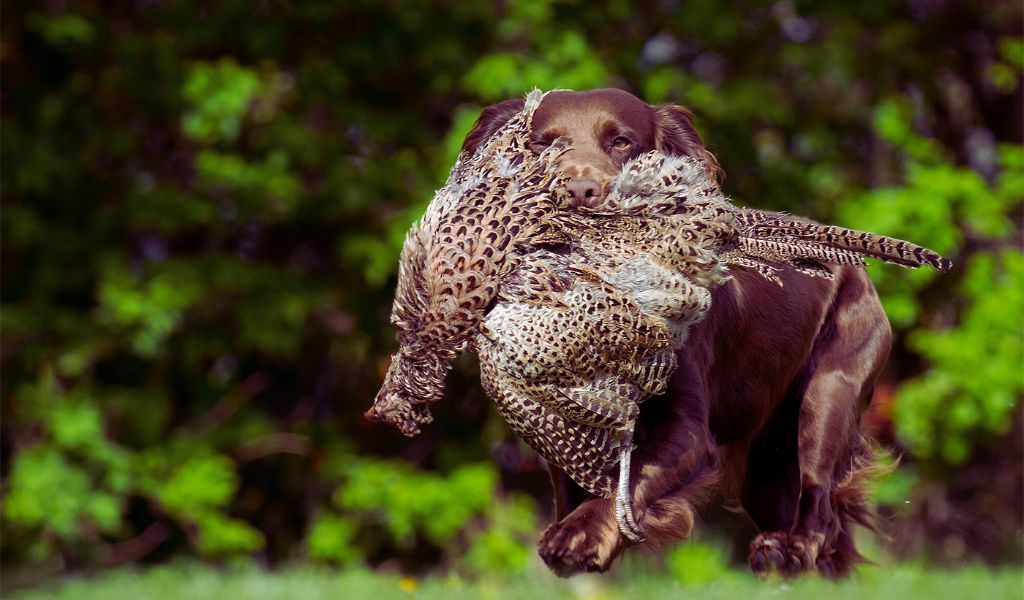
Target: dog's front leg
(673, 462)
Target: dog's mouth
(589, 202)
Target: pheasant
(453, 261)
(576, 313)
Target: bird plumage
(452, 263)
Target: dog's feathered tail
(869, 463)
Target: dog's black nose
(584, 191)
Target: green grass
(202, 583)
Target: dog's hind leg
(848, 354)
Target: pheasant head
(414, 381)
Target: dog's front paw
(786, 554)
(585, 541)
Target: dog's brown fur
(765, 404)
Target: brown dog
(765, 404)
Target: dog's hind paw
(783, 553)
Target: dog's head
(606, 127)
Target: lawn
(202, 583)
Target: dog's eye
(620, 143)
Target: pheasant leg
(624, 499)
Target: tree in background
(203, 207)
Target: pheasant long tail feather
(769, 235)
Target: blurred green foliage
(203, 208)
(388, 504)
(976, 376)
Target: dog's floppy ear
(674, 134)
(490, 121)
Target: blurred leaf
(63, 29)
(332, 539)
(219, 94)
(695, 563)
(219, 535)
(195, 485)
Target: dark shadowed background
(203, 206)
